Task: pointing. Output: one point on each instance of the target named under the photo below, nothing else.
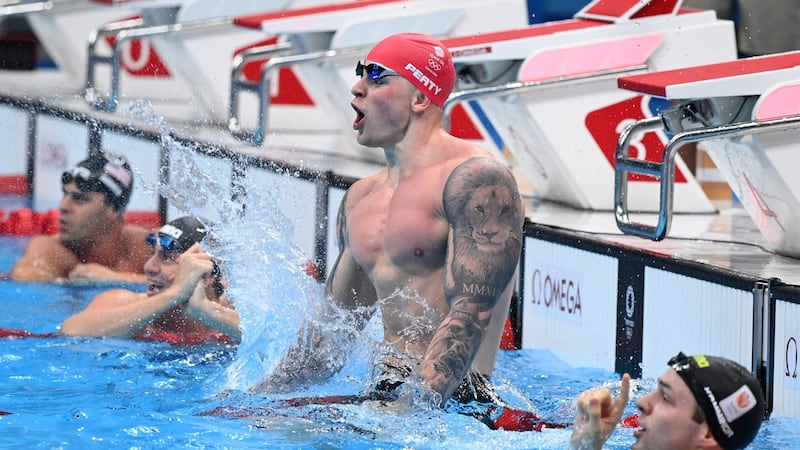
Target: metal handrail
(127, 30)
(256, 136)
(240, 84)
(520, 87)
(665, 170)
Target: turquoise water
(110, 393)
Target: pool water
(112, 393)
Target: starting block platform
(545, 97)
(745, 116)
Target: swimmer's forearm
(452, 349)
(224, 319)
(94, 271)
(120, 313)
(314, 357)
(25, 270)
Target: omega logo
(791, 344)
(556, 293)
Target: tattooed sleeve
(482, 203)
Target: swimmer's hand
(597, 416)
(193, 266)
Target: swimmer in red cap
(432, 240)
(93, 242)
(185, 302)
(702, 402)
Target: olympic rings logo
(434, 65)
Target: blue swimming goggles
(167, 243)
(374, 71)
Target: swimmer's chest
(404, 230)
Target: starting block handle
(520, 87)
(664, 171)
(91, 94)
(127, 30)
(257, 135)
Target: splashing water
(264, 269)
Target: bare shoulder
(48, 251)
(464, 149)
(48, 242)
(135, 243)
(135, 233)
(481, 169)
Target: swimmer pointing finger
(598, 415)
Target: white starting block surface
(558, 118)
(745, 115)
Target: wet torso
(398, 233)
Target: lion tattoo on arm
(482, 202)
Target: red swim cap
(421, 59)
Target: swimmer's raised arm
(210, 305)
(123, 313)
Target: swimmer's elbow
(73, 327)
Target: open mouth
(358, 122)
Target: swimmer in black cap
(702, 402)
(185, 301)
(93, 242)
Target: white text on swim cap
(171, 231)
(427, 82)
(723, 422)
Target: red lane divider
(145, 219)
(27, 222)
(631, 421)
(14, 185)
